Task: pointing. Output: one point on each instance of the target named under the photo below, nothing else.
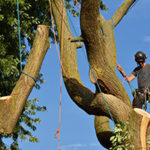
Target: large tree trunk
(11, 106)
(97, 34)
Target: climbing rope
(80, 85)
(20, 43)
(62, 30)
(132, 88)
(57, 134)
(88, 62)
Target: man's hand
(119, 67)
(121, 70)
(130, 78)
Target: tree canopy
(32, 13)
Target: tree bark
(12, 106)
(92, 103)
(122, 11)
(97, 34)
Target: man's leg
(137, 103)
(139, 100)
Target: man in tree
(142, 72)
(97, 33)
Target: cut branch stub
(12, 106)
(145, 124)
(93, 76)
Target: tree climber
(142, 72)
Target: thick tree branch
(121, 12)
(11, 109)
(103, 131)
(79, 45)
(77, 39)
(90, 102)
(93, 103)
(96, 50)
(97, 104)
(69, 58)
(101, 19)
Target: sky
(77, 127)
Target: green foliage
(32, 13)
(72, 9)
(121, 140)
(39, 80)
(103, 6)
(75, 5)
(148, 141)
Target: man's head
(140, 57)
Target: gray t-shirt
(143, 76)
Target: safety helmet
(140, 57)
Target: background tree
(32, 13)
(97, 34)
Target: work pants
(140, 98)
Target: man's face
(141, 63)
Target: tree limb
(103, 131)
(101, 19)
(87, 100)
(77, 39)
(11, 110)
(93, 103)
(97, 104)
(96, 52)
(121, 12)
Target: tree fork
(93, 103)
(87, 100)
(12, 106)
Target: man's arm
(130, 78)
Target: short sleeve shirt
(143, 76)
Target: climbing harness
(142, 95)
(147, 97)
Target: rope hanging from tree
(88, 64)
(57, 134)
(6, 98)
(20, 43)
(91, 69)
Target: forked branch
(121, 12)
